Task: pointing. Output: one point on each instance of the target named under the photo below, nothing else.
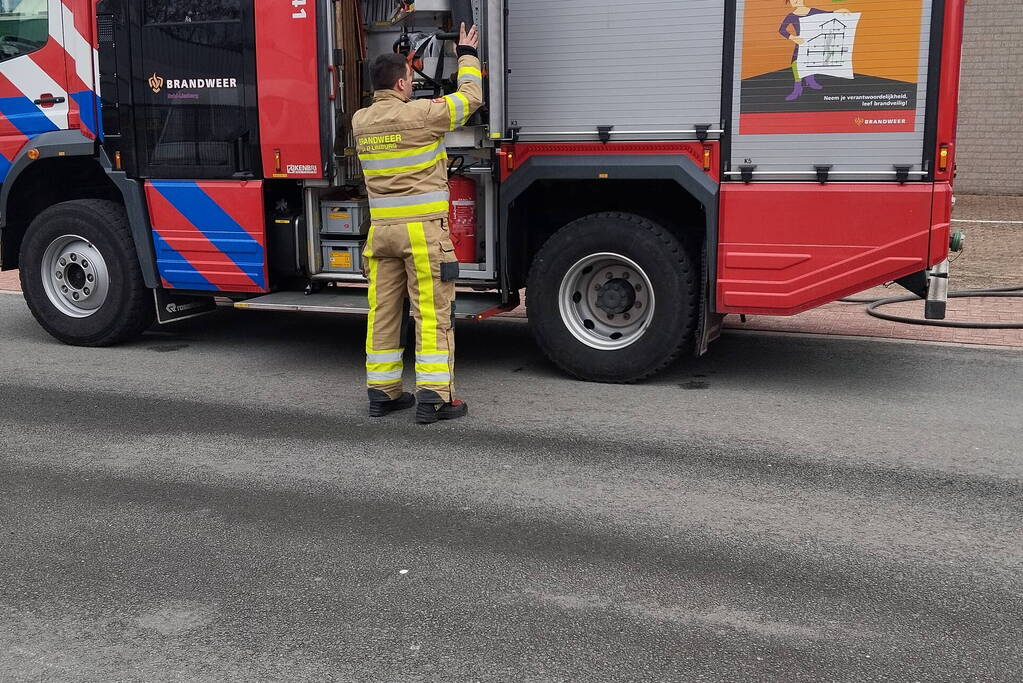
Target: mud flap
(710, 324)
(170, 307)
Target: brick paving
(853, 320)
(9, 281)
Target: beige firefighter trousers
(407, 259)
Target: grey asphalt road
(210, 503)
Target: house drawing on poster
(830, 47)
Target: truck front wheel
(81, 276)
(612, 297)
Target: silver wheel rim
(606, 301)
(75, 276)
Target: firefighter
(400, 143)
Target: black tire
(128, 308)
(670, 269)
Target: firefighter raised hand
(409, 252)
(470, 39)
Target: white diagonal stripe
(29, 78)
(77, 46)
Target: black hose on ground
(1004, 292)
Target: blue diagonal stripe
(175, 269)
(25, 116)
(88, 108)
(5, 168)
(220, 229)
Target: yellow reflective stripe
(382, 382)
(465, 103)
(385, 367)
(469, 71)
(395, 170)
(409, 211)
(451, 112)
(372, 293)
(398, 155)
(424, 278)
(431, 367)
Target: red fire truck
(640, 169)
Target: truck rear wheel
(612, 297)
(80, 274)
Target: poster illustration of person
(854, 68)
(790, 30)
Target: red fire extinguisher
(462, 217)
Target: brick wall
(990, 155)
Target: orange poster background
(887, 38)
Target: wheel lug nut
(86, 290)
(74, 295)
(609, 276)
(64, 289)
(59, 275)
(63, 261)
(639, 304)
(626, 316)
(74, 257)
(625, 275)
(85, 264)
(610, 316)
(639, 287)
(89, 278)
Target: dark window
(190, 11)
(23, 27)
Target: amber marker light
(33, 154)
(943, 153)
(708, 157)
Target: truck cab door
(33, 74)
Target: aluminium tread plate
(468, 305)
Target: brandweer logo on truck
(158, 83)
(860, 121)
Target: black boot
(428, 413)
(380, 404)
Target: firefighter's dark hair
(387, 70)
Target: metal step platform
(468, 305)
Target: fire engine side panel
(651, 68)
(209, 235)
(787, 247)
(288, 86)
(852, 96)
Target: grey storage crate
(344, 217)
(342, 256)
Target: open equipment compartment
(429, 29)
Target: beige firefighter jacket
(401, 146)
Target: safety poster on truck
(830, 66)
